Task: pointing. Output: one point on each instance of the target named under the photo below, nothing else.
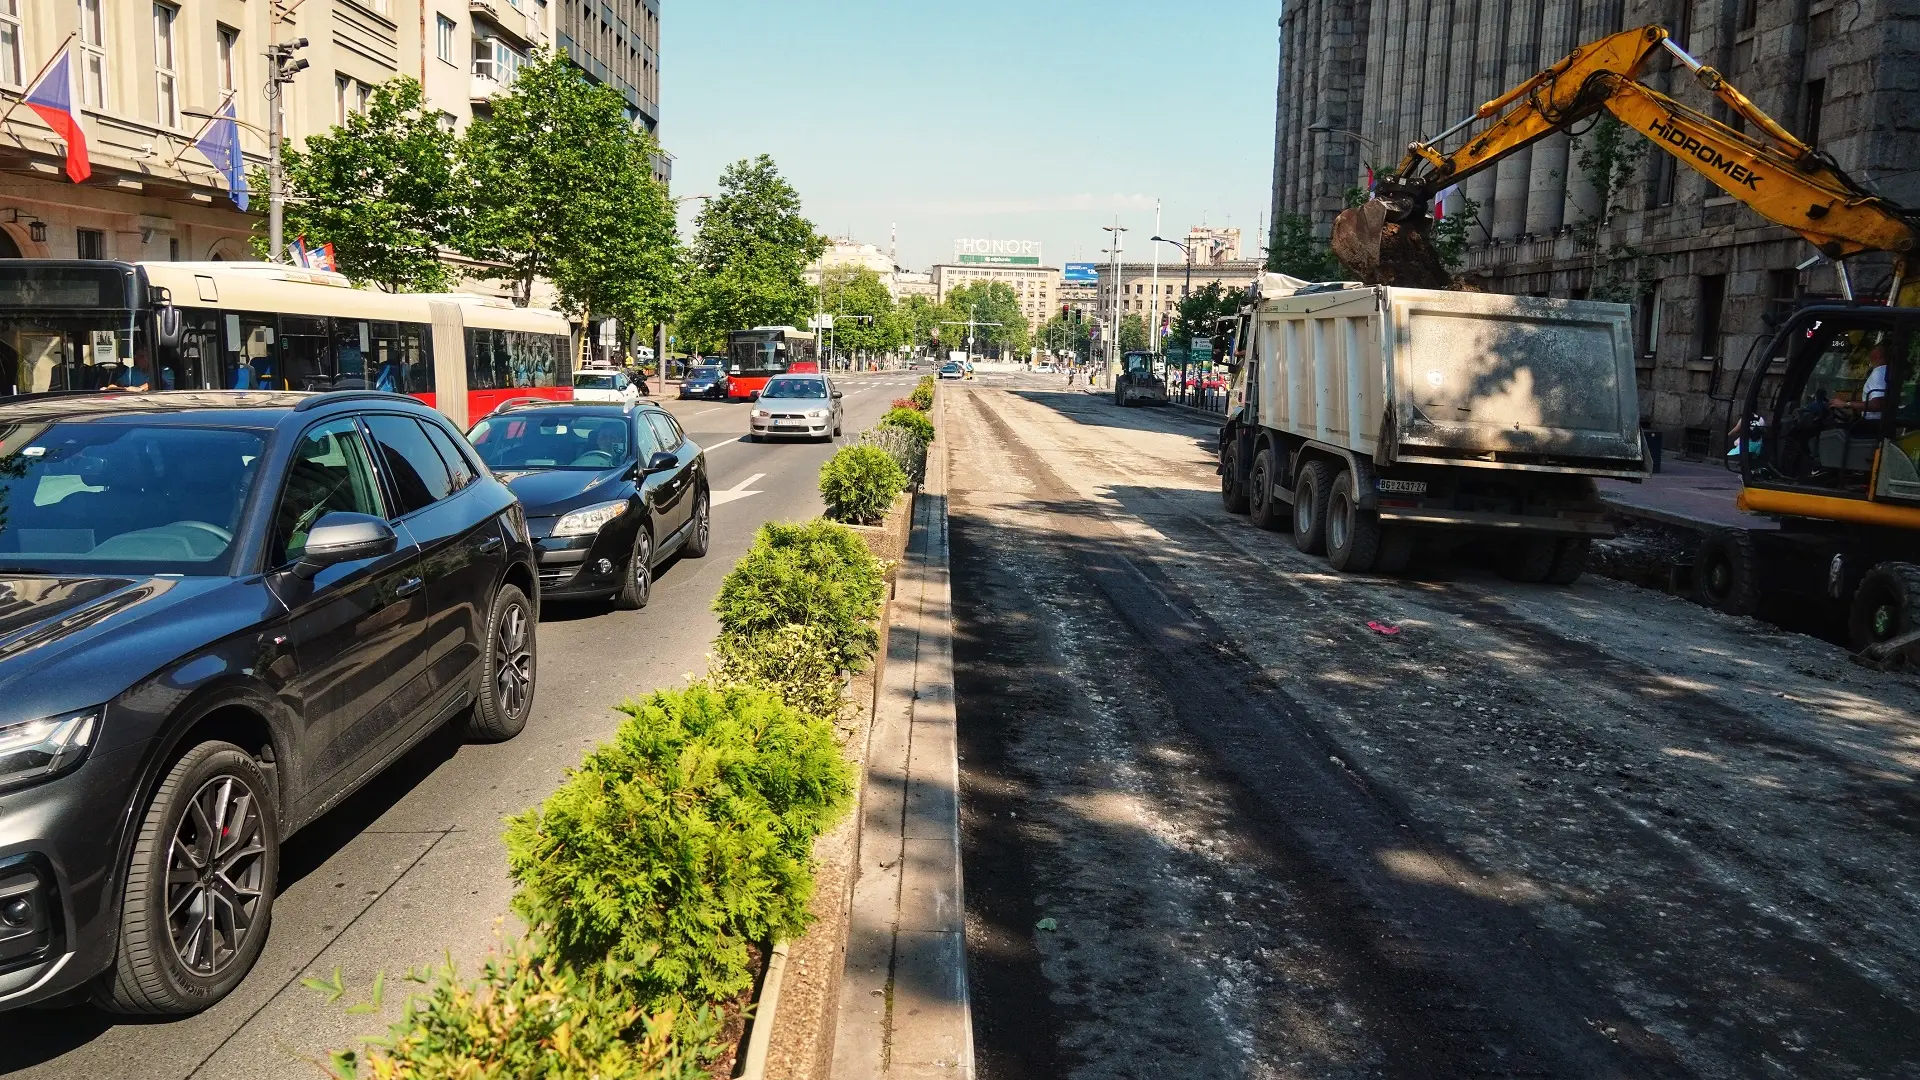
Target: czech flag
(51, 97)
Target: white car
(806, 405)
(604, 384)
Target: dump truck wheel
(1728, 571)
(1353, 534)
(1263, 503)
(1396, 550)
(1310, 508)
(1233, 494)
(1886, 605)
(1530, 559)
(1570, 561)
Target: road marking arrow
(737, 491)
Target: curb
(760, 1039)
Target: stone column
(1522, 60)
(1547, 180)
(1487, 83)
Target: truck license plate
(1401, 487)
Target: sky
(1005, 119)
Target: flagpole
(205, 124)
(29, 84)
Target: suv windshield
(795, 388)
(547, 439)
(99, 497)
(594, 382)
(703, 372)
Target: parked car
(610, 492)
(708, 381)
(804, 405)
(220, 614)
(604, 384)
(952, 370)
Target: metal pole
(1153, 308)
(276, 195)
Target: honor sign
(997, 252)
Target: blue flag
(221, 145)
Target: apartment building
(1035, 286)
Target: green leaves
(988, 302)
(380, 189)
(860, 483)
(1293, 249)
(818, 574)
(558, 184)
(749, 257)
(913, 421)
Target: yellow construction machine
(1829, 434)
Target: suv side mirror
(340, 537)
(839, 393)
(661, 461)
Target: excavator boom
(1780, 177)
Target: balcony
(481, 85)
(515, 19)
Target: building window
(1749, 13)
(1713, 297)
(349, 97)
(1816, 97)
(229, 40)
(448, 121)
(443, 39)
(10, 64)
(166, 84)
(173, 249)
(93, 55)
(1650, 321)
(90, 243)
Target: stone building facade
(1374, 75)
(1034, 286)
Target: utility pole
(281, 68)
(1153, 309)
(1111, 348)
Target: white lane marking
(723, 442)
(704, 412)
(737, 491)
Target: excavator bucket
(1383, 252)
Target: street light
(1328, 129)
(1186, 291)
(281, 68)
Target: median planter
(888, 539)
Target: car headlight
(817, 414)
(761, 414)
(35, 750)
(588, 519)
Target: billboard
(1080, 273)
(984, 252)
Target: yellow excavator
(1829, 435)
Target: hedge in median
(860, 484)
(530, 1017)
(794, 662)
(817, 574)
(922, 395)
(683, 840)
(912, 420)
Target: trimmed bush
(923, 395)
(818, 574)
(794, 662)
(685, 838)
(531, 1017)
(912, 420)
(904, 403)
(905, 448)
(859, 484)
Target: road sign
(1176, 355)
(1202, 350)
(820, 322)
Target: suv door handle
(490, 545)
(410, 586)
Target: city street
(1228, 813)
(411, 870)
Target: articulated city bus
(756, 355)
(85, 325)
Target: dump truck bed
(1474, 379)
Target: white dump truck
(1371, 420)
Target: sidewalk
(904, 1008)
(1689, 494)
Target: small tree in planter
(860, 484)
(911, 420)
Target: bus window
(534, 362)
(249, 338)
(306, 360)
(485, 369)
(194, 364)
(416, 357)
(353, 354)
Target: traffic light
(1064, 308)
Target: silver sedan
(806, 406)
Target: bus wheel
(1728, 571)
(1886, 605)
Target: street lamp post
(281, 68)
(1111, 349)
(1186, 291)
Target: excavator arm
(1777, 175)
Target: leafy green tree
(1133, 333)
(750, 254)
(862, 309)
(987, 302)
(1198, 310)
(379, 188)
(559, 184)
(1451, 233)
(1293, 249)
(1065, 334)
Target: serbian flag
(1369, 178)
(51, 97)
(1439, 201)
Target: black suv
(611, 492)
(220, 613)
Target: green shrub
(904, 447)
(529, 1017)
(859, 484)
(911, 420)
(795, 662)
(817, 574)
(922, 395)
(685, 838)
